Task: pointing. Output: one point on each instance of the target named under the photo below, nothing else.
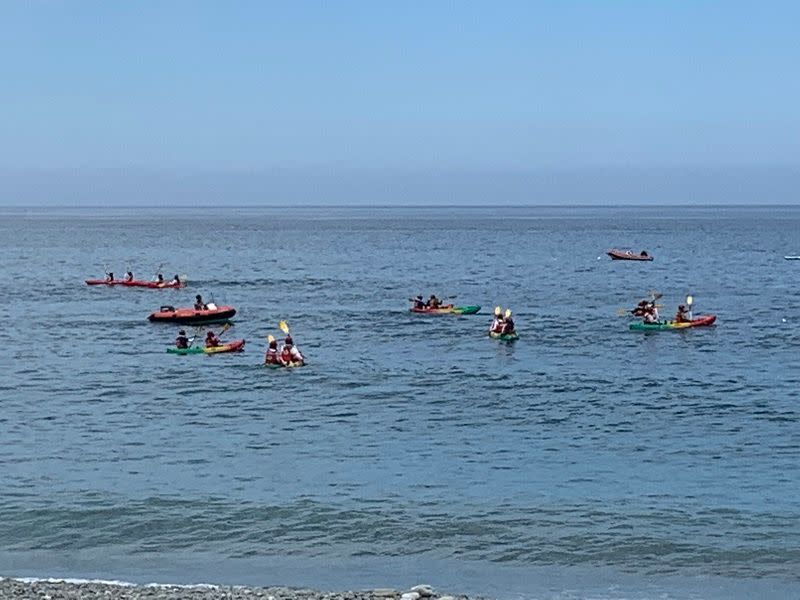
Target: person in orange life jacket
(181, 341)
(129, 276)
(290, 354)
(212, 341)
(109, 277)
(198, 303)
(508, 322)
(419, 303)
(682, 316)
(271, 357)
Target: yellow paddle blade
(497, 311)
(508, 312)
(689, 299)
(622, 312)
(284, 327)
(270, 339)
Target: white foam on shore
(205, 586)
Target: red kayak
(134, 283)
(213, 314)
(617, 254)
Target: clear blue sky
(485, 95)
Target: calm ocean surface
(584, 461)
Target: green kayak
(504, 337)
(704, 321)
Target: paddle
(283, 327)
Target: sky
(518, 102)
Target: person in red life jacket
(682, 316)
(182, 341)
(497, 323)
(212, 341)
(109, 277)
(289, 354)
(271, 357)
(128, 276)
(508, 323)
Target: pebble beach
(52, 589)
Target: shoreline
(74, 589)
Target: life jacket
(286, 355)
(497, 325)
(212, 342)
(271, 358)
(508, 325)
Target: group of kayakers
(287, 356)
(432, 302)
(159, 278)
(503, 323)
(647, 310)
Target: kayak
(505, 337)
(292, 365)
(234, 346)
(153, 285)
(703, 321)
(447, 309)
(792, 257)
(170, 314)
(617, 254)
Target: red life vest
(271, 357)
(286, 355)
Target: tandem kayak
(170, 314)
(292, 365)
(703, 321)
(617, 254)
(448, 309)
(234, 346)
(504, 337)
(153, 285)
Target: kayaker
(182, 341)
(419, 303)
(175, 281)
(129, 276)
(497, 322)
(109, 277)
(643, 254)
(434, 302)
(212, 341)
(508, 323)
(682, 316)
(159, 279)
(650, 315)
(640, 309)
(289, 354)
(199, 304)
(271, 357)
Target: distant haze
(415, 103)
